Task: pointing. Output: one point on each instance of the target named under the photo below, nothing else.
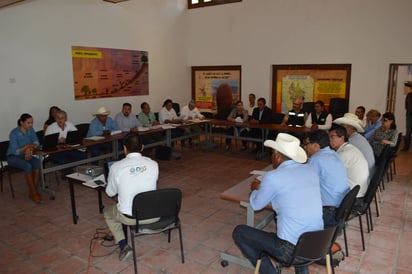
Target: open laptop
(73, 138)
(50, 141)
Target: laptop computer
(73, 138)
(50, 141)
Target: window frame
(202, 3)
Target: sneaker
(125, 253)
(243, 148)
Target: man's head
(61, 118)
(126, 109)
(239, 106)
(319, 106)
(337, 136)
(316, 140)
(252, 98)
(132, 143)
(373, 116)
(102, 114)
(360, 112)
(286, 147)
(261, 103)
(297, 104)
(351, 122)
(145, 107)
(191, 104)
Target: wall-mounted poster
(313, 82)
(216, 87)
(104, 72)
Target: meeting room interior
(216, 53)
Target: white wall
(35, 50)
(257, 34)
(36, 37)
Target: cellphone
(99, 182)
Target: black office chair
(308, 107)
(343, 212)
(393, 153)
(277, 117)
(163, 203)
(83, 129)
(364, 208)
(338, 107)
(5, 168)
(311, 247)
(176, 107)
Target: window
(191, 4)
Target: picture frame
(312, 81)
(216, 87)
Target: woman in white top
(167, 115)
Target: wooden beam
(4, 3)
(115, 1)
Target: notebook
(73, 138)
(50, 141)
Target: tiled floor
(43, 239)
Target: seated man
(373, 122)
(295, 116)
(191, 112)
(125, 120)
(146, 117)
(127, 178)
(332, 173)
(293, 190)
(167, 115)
(353, 126)
(238, 115)
(354, 161)
(320, 118)
(101, 125)
(62, 126)
(261, 115)
(360, 112)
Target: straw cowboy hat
(351, 120)
(289, 146)
(102, 111)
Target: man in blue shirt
(102, 124)
(293, 191)
(332, 173)
(374, 121)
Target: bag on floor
(163, 153)
(337, 256)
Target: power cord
(101, 236)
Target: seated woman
(386, 134)
(52, 117)
(239, 115)
(23, 141)
(167, 115)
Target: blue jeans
(252, 242)
(329, 217)
(26, 165)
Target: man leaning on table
(285, 187)
(125, 120)
(127, 178)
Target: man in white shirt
(191, 112)
(126, 121)
(62, 126)
(353, 159)
(127, 178)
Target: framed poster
(215, 87)
(105, 72)
(313, 82)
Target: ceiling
(5, 3)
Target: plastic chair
(393, 153)
(5, 168)
(343, 212)
(311, 247)
(163, 203)
(364, 209)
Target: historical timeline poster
(105, 72)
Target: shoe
(125, 253)
(243, 149)
(227, 147)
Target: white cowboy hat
(289, 146)
(102, 111)
(351, 120)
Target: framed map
(104, 72)
(312, 82)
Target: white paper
(238, 120)
(94, 138)
(258, 172)
(143, 128)
(114, 132)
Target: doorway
(398, 75)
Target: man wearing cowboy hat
(354, 126)
(293, 191)
(101, 125)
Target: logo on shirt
(138, 169)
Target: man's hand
(255, 184)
